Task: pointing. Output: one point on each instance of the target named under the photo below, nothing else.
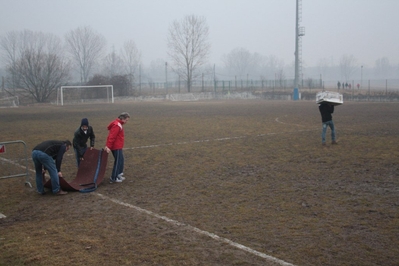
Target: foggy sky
(365, 29)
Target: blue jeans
(323, 134)
(118, 163)
(41, 159)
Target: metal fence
(266, 85)
(213, 86)
(14, 160)
(377, 89)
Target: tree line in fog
(39, 63)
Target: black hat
(84, 122)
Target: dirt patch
(253, 172)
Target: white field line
(189, 227)
(12, 162)
(199, 231)
(179, 143)
(209, 140)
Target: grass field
(212, 183)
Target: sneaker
(334, 142)
(117, 180)
(61, 192)
(120, 176)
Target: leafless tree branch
(35, 63)
(86, 48)
(188, 46)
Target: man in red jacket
(115, 142)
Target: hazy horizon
(362, 28)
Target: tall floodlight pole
(299, 32)
(296, 46)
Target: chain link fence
(354, 90)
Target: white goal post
(85, 94)
(12, 101)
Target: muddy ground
(212, 183)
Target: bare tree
(113, 64)
(131, 58)
(11, 46)
(189, 47)
(259, 62)
(239, 61)
(86, 48)
(280, 78)
(35, 63)
(382, 67)
(347, 65)
(272, 66)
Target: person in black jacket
(82, 134)
(48, 156)
(326, 110)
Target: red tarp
(95, 161)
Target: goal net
(9, 101)
(85, 94)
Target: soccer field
(212, 183)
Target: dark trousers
(118, 163)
